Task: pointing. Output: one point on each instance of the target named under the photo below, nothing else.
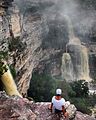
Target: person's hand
(50, 108)
(66, 114)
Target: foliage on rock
(3, 67)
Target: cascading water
(78, 67)
(67, 67)
(9, 84)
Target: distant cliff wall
(35, 35)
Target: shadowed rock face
(15, 108)
(38, 40)
(5, 3)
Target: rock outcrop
(35, 35)
(16, 108)
(81, 116)
(25, 34)
(42, 112)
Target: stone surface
(29, 49)
(41, 35)
(16, 108)
(42, 112)
(81, 116)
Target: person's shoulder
(53, 97)
(62, 99)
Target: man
(58, 104)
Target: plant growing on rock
(3, 67)
(7, 79)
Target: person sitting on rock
(57, 104)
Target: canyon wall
(39, 38)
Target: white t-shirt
(58, 103)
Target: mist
(83, 18)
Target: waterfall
(79, 56)
(67, 67)
(84, 63)
(9, 84)
(78, 67)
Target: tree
(42, 87)
(80, 87)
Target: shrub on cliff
(82, 104)
(13, 71)
(81, 98)
(81, 88)
(3, 68)
(67, 90)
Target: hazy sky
(82, 19)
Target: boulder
(81, 116)
(15, 108)
(42, 112)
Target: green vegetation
(3, 68)
(80, 98)
(92, 100)
(82, 104)
(13, 71)
(16, 44)
(77, 93)
(66, 89)
(3, 55)
(42, 87)
(80, 88)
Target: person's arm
(63, 109)
(50, 107)
(65, 113)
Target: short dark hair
(58, 95)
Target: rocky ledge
(16, 108)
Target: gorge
(57, 38)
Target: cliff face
(20, 43)
(35, 34)
(25, 35)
